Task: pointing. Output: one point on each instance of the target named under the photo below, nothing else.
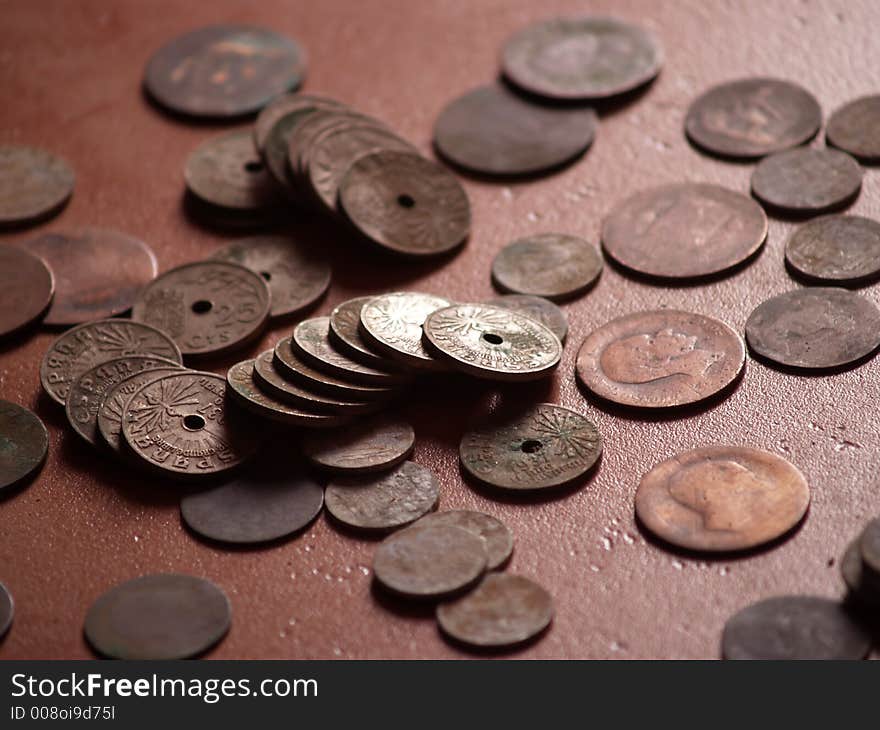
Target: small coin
(862, 584)
(499, 540)
(539, 447)
(540, 309)
(34, 184)
(750, 118)
(837, 249)
(722, 498)
(377, 444)
(28, 287)
(492, 130)
(345, 332)
(208, 307)
(794, 627)
(869, 548)
(24, 443)
(406, 204)
(853, 129)
(7, 609)
(161, 616)
(660, 359)
(815, 328)
(283, 105)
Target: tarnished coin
(345, 332)
(92, 343)
(494, 131)
(540, 309)
(838, 249)
(7, 609)
(406, 204)
(224, 70)
(24, 443)
(34, 184)
(493, 343)
(722, 498)
(815, 327)
(806, 180)
(286, 104)
(539, 447)
(383, 502)
(28, 287)
(869, 547)
(377, 444)
(751, 118)
(208, 307)
(550, 265)
(98, 273)
(304, 135)
(795, 627)
(161, 616)
(660, 359)
(685, 230)
(853, 129)
(863, 584)
(499, 540)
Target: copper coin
(24, 443)
(540, 309)
(28, 287)
(684, 230)
(539, 447)
(307, 135)
(751, 118)
(494, 131)
(34, 184)
(98, 273)
(208, 307)
(722, 498)
(283, 105)
(406, 204)
(551, 265)
(869, 548)
(806, 180)
(853, 129)
(345, 333)
(838, 249)
(7, 609)
(815, 327)
(377, 444)
(297, 275)
(795, 627)
(161, 616)
(862, 583)
(498, 538)
(224, 70)
(92, 343)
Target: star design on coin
(158, 414)
(476, 320)
(565, 433)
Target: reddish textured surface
(70, 81)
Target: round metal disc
(34, 184)
(345, 333)
(283, 105)
(499, 539)
(540, 309)
(7, 609)
(28, 287)
(869, 548)
(853, 129)
(863, 585)
(24, 443)
(837, 249)
(377, 444)
(304, 135)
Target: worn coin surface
(499, 539)
(7, 609)
(853, 128)
(540, 309)
(286, 104)
(377, 444)
(837, 249)
(24, 443)
(306, 132)
(722, 498)
(34, 184)
(345, 332)
(869, 547)
(28, 287)
(160, 616)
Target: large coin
(540, 309)
(853, 129)
(28, 287)
(34, 184)
(722, 498)
(345, 332)
(837, 249)
(377, 444)
(24, 443)
(499, 539)
(7, 609)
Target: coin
(345, 332)
(28, 287)
(24, 443)
(838, 249)
(283, 105)
(377, 444)
(7, 609)
(34, 184)
(494, 131)
(538, 447)
(493, 343)
(684, 230)
(305, 133)
(406, 204)
(385, 501)
(853, 129)
(208, 307)
(861, 583)
(722, 498)
(660, 359)
(869, 548)
(499, 540)
(794, 627)
(224, 70)
(161, 616)
(751, 118)
(92, 343)
(815, 328)
(540, 309)
(806, 180)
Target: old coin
(492, 130)
(28, 287)
(499, 539)
(540, 309)
(750, 118)
(24, 443)
(684, 230)
(862, 584)
(283, 105)
(869, 548)
(345, 332)
(815, 327)
(539, 447)
(160, 616)
(722, 498)
(7, 609)
(34, 184)
(795, 627)
(377, 444)
(660, 359)
(838, 249)
(224, 70)
(92, 343)
(853, 129)
(307, 131)
(208, 307)
(406, 204)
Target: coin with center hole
(24, 443)
(345, 332)
(853, 128)
(7, 609)
(377, 444)
(540, 309)
(869, 547)
(837, 249)
(283, 105)
(34, 184)
(499, 539)
(28, 287)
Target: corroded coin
(862, 584)
(869, 548)
(377, 444)
(853, 128)
(28, 287)
(684, 230)
(838, 249)
(815, 327)
(494, 131)
(551, 265)
(34, 184)
(539, 447)
(722, 498)
(493, 343)
(660, 359)
(24, 443)
(208, 307)
(7, 609)
(751, 118)
(224, 70)
(406, 204)
(161, 616)
(499, 539)
(92, 343)
(345, 332)
(540, 309)
(283, 105)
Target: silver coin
(499, 539)
(540, 309)
(377, 444)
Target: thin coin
(24, 443)
(28, 287)
(814, 328)
(539, 447)
(540, 309)
(377, 444)
(853, 129)
(161, 616)
(7, 609)
(345, 333)
(283, 105)
(34, 184)
(861, 583)
(869, 548)
(722, 498)
(660, 359)
(837, 249)
(499, 539)
(685, 230)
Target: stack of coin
(860, 566)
